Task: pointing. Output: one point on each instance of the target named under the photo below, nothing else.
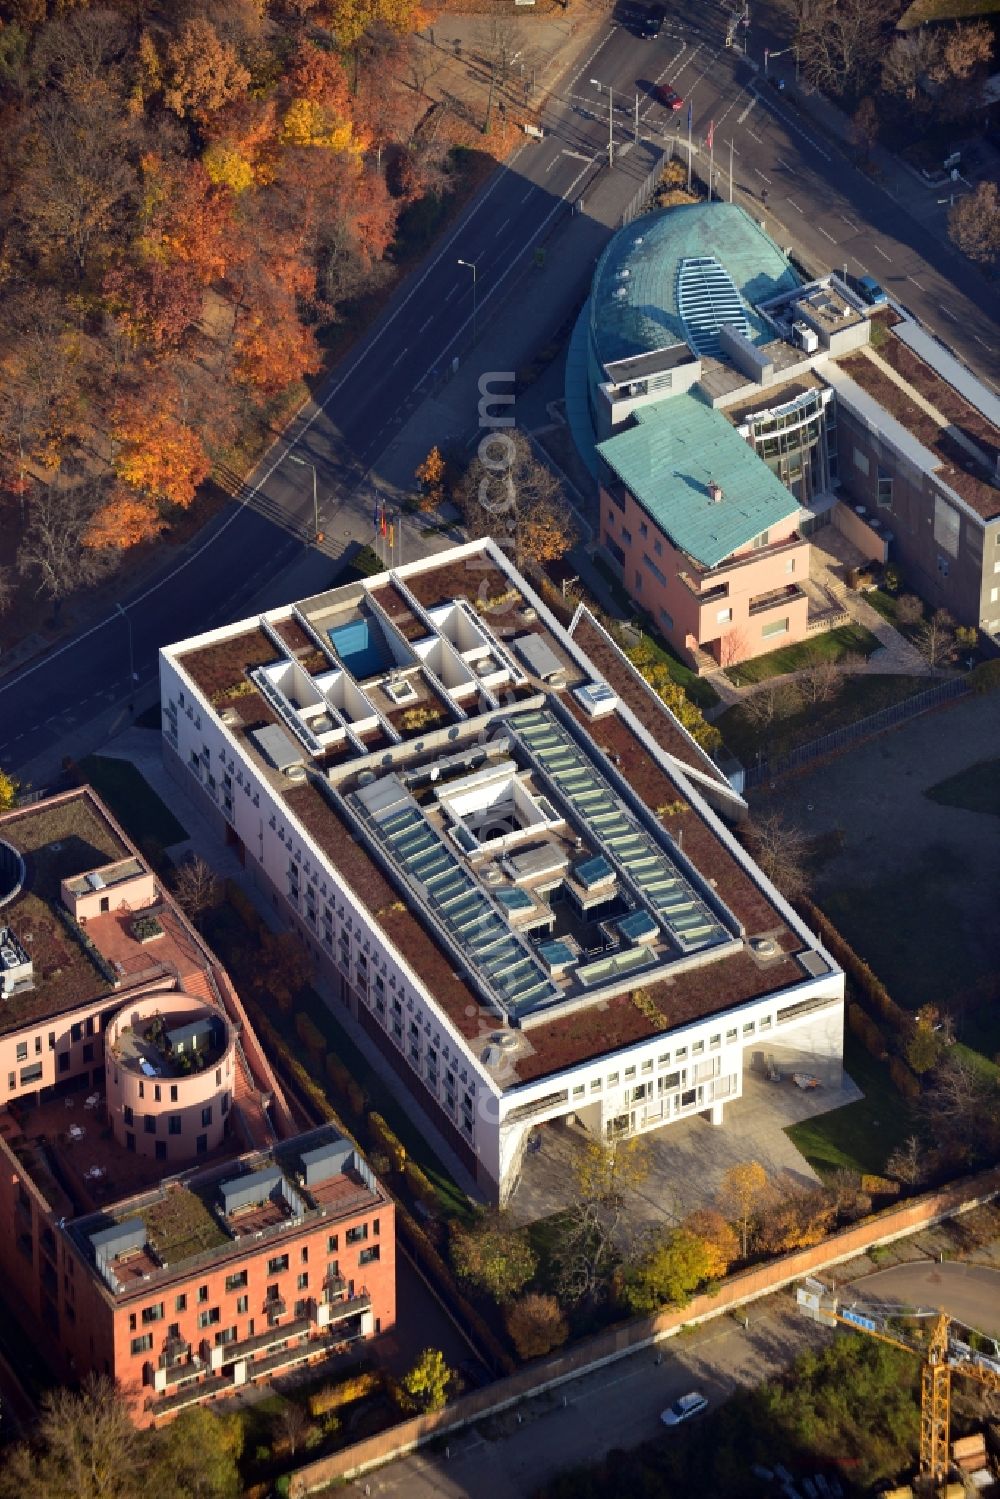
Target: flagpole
(711, 158)
(730, 170)
(690, 107)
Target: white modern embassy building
(512, 862)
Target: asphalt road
(816, 200)
(969, 1293)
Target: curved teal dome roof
(647, 282)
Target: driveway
(688, 1159)
(618, 1406)
(969, 1293)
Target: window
(32, 1074)
(375, 1227)
(202, 1294)
(304, 1254)
(161, 1150)
(206, 1115)
(129, 1140)
(942, 566)
(225, 1104)
(63, 1062)
(75, 1031)
(688, 1098)
(748, 1028)
(242, 1305)
(22, 1051)
(143, 1344)
(731, 1036)
(657, 574)
(626, 536)
(12, 1081)
(367, 1256)
(579, 1091)
(52, 1040)
(173, 1092)
(152, 1313)
(276, 1265)
(994, 595)
(227, 1335)
(643, 528)
(38, 1046)
(156, 1090)
(235, 1281)
(149, 1124)
(129, 1116)
(201, 1145)
(775, 627)
(356, 1235)
(142, 1090)
(638, 580)
(595, 1085)
(658, 548)
(173, 1124)
(861, 461)
(181, 1302)
(302, 1282)
(332, 1244)
(761, 541)
(724, 616)
(884, 492)
(209, 1318)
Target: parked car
(684, 1408)
(669, 97)
(650, 21)
(869, 291)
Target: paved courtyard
(688, 1159)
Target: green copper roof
(669, 459)
(634, 294)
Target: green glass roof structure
(677, 449)
(644, 292)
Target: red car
(669, 97)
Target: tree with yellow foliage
(430, 476)
(8, 791)
(744, 1194)
(157, 453)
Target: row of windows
(680, 1054)
(174, 1121)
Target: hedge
(904, 1079)
(332, 1396)
(309, 1033)
(867, 1032)
(870, 985)
(419, 1184)
(985, 677)
(386, 1139)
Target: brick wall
(627, 1337)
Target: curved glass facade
(798, 442)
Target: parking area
(688, 1159)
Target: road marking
(915, 282)
(754, 136)
(980, 341)
(829, 236)
(878, 249)
(451, 292)
(947, 312)
(426, 325)
(742, 119)
(853, 227)
(576, 155)
(860, 263)
(796, 205)
(791, 124)
(784, 164)
(503, 225)
(761, 174)
(528, 194)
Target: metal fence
(875, 723)
(639, 201)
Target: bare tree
(838, 42)
(936, 637)
(500, 39)
(909, 60)
(509, 494)
(8, 588)
(974, 223)
(770, 703)
(424, 60)
(733, 647)
(591, 1237)
(52, 552)
(821, 681)
(781, 850)
(293, 1424)
(865, 126)
(960, 1106)
(906, 1163)
(196, 887)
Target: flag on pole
(391, 534)
(710, 137)
(375, 513)
(383, 518)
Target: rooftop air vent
(296, 773)
(765, 947)
(16, 969)
(715, 492)
(230, 717)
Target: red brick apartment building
(160, 1219)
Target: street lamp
(470, 265)
(305, 463)
(611, 118)
(131, 658)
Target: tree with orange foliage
(798, 1217)
(430, 476)
(273, 348)
(186, 218)
(536, 1325)
(157, 451)
(124, 521)
(722, 1247)
(203, 72)
(155, 305)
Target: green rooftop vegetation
(180, 1225)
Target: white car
(684, 1408)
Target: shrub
(332, 1396)
(422, 1250)
(419, 1184)
(879, 1186)
(240, 902)
(536, 1325)
(867, 1032)
(387, 1140)
(309, 1034)
(986, 676)
(337, 1073)
(903, 1078)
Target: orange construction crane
(941, 1355)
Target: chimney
(715, 492)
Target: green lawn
(859, 697)
(860, 1136)
(829, 645)
(132, 800)
(976, 789)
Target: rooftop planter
(146, 929)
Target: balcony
(777, 598)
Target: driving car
(669, 97)
(684, 1408)
(870, 291)
(649, 21)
